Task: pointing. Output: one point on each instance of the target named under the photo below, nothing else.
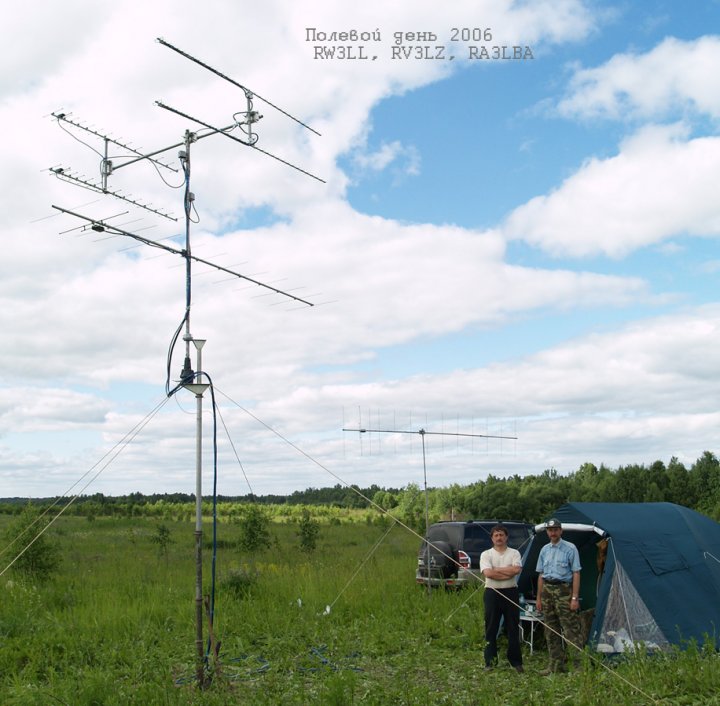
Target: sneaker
(519, 668)
(488, 668)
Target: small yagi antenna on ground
(423, 433)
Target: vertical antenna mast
(194, 381)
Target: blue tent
(651, 573)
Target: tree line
(531, 498)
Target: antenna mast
(195, 381)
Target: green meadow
(342, 624)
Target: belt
(556, 582)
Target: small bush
(162, 539)
(240, 582)
(40, 557)
(308, 531)
(254, 529)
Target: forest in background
(531, 498)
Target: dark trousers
(498, 605)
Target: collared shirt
(493, 559)
(558, 561)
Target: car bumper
(465, 577)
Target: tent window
(662, 558)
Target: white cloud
(406, 158)
(41, 409)
(675, 75)
(659, 186)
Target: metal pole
(198, 534)
(427, 509)
(188, 199)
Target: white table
(528, 619)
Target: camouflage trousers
(560, 619)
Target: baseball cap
(554, 522)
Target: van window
(518, 538)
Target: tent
(650, 573)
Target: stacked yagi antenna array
(244, 120)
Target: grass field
(117, 626)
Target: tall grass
(116, 626)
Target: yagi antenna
(107, 166)
(250, 116)
(65, 117)
(234, 83)
(101, 226)
(252, 137)
(64, 175)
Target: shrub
(162, 539)
(239, 581)
(308, 530)
(254, 529)
(40, 557)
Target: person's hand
(574, 603)
(538, 604)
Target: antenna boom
(423, 432)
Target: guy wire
(376, 546)
(112, 453)
(235, 452)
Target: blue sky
(489, 139)
(532, 244)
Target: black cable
(165, 181)
(173, 342)
(195, 220)
(75, 137)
